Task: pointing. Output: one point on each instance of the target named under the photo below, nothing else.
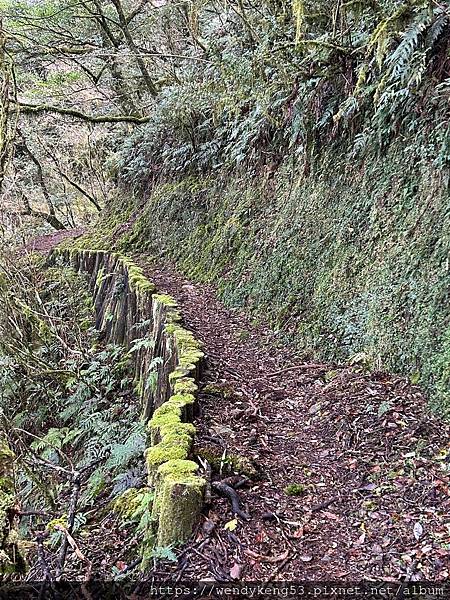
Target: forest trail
(369, 460)
(45, 243)
(369, 494)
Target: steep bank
(302, 166)
(349, 261)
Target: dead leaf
(418, 530)
(330, 515)
(361, 539)
(275, 559)
(208, 526)
(231, 525)
(236, 570)
(306, 558)
(298, 533)
(369, 487)
(260, 537)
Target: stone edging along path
(167, 366)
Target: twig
(205, 464)
(130, 567)
(34, 513)
(282, 565)
(225, 490)
(296, 368)
(70, 521)
(323, 505)
(76, 549)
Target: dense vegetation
(295, 154)
(71, 418)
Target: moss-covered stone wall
(166, 360)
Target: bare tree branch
(71, 112)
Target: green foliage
(294, 87)
(350, 260)
(66, 401)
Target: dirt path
(371, 464)
(45, 243)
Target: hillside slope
(348, 262)
(303, 167)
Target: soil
(45, 243)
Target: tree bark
(149, 83)
(49, 218)
(71, 112)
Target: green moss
(179, 507)
(162, 453)
(178, 493)
(179, 373)
(128, 503)
(59, 522)
(356, 265)
(295, 489)
(12, 556)
(181, 400)
(165, 299)
(230, 463)
(219, 389)
(165, 413)
(178, 429)
(183, 440)
(185, 385)
(178, 468)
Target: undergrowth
(70, 415)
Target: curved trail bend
(369, 462)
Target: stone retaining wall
(166, 362)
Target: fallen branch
(227, 492)
(71, 112)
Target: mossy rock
(224, 390)
(231, 462)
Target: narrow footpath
(346, 472)
(343, 474)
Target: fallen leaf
(260, 537)
(231, 525)
(369, 487)
(418, 530)
(306, 558)
(235, 571)
(208, 526)
(275, 559)
(361, 539)
(298, 533)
